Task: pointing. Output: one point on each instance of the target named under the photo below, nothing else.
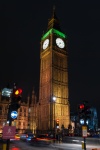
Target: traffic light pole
(82, 108)
(85, 137)
(9, 117)
(8, 140)
(86, 129)
(13, 107)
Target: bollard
(82, 145)
(4, 145)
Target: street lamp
(52, 109)
(54, 98)
(54, 101)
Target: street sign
(84, 131)
(9, 132)
(14, 114)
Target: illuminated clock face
(45, 43)
(60, 43)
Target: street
(19, 145)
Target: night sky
(22, 24)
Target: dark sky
(21, 26)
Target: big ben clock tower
(53, 90)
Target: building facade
(53, 102)
(22, 121)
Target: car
(96, 136)
(41, 139)
(52, 137)
(29, 136)
(23, 136)
(17, 137)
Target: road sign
(84, 131)
(9, 132)
(14, 114)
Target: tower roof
(54, 22)
(53, 27)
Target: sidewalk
(63, 146)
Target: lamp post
(54, 101)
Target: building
(53, 102)
(3, 111)
(22, 120)
(51, 111)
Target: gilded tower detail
(53, 90)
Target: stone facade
(53, 80)
(21, 122)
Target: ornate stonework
(53, 80)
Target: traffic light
(88, 112)
(15, 104)
(81, 106)
(17, 94)
(57, 123)
(16, 97)
(84, 113)
(81, 110)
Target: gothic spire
(54, 22)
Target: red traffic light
(18, 92)
(81, 106)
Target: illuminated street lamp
(54, 98)
(54, 101)
(52, 112)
